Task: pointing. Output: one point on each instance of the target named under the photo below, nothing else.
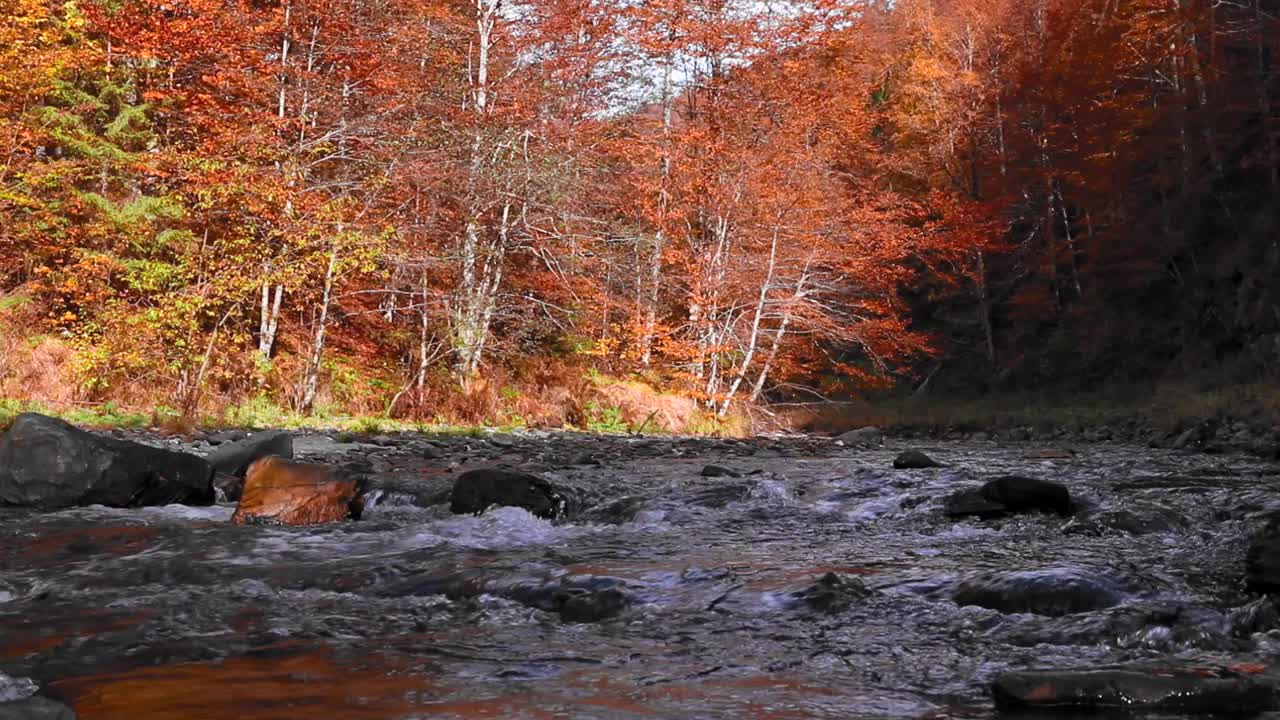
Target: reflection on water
(173, 613)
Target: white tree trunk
(779, 334)
(480, 261)
(653, 285)
(753, 341)
(269, 320)
(312, 380)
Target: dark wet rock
(225, 436)
(1011, 494)
(583, 458)
(533, 466)
(580, 598)
(1262, 559)
(36, 708)
(477, 490)
(832, 593)
(1021, 494)
(1140, 520)
(47, 463)
(279, 491)
(719, 495)
(455, 586)
(1053, 592)
(407, 491)
(914, 460)
(863, 437)
(1147, 690)
(234, 458)
(323, 446)
(719, 471)
(576, 599)
(1158, 627)
(614, 512)
(579, 605)
(231, 460)
(973, 503)
(427, 451)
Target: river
(411, 612)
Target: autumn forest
(517, 212)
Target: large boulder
(231, 460)
(477, 490)
(283, 492)
(1011, 494)
(1133, 690)
(1053, 592)
(47, 463)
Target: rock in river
(292, 493)
(1052, 592)
(914, 460)
(231, 460)
(476, 490)
(234, 458)
(47, 463)
(1129, 690)
(720, 471)
(832, 593)
(1011, 494)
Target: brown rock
(293, 493)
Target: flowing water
(411, 612)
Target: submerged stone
(1052, 592)
(832, 593)
(1132, 690)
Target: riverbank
(1241, 418)
(1237, 418)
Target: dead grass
(33, 368)
(642, 405)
